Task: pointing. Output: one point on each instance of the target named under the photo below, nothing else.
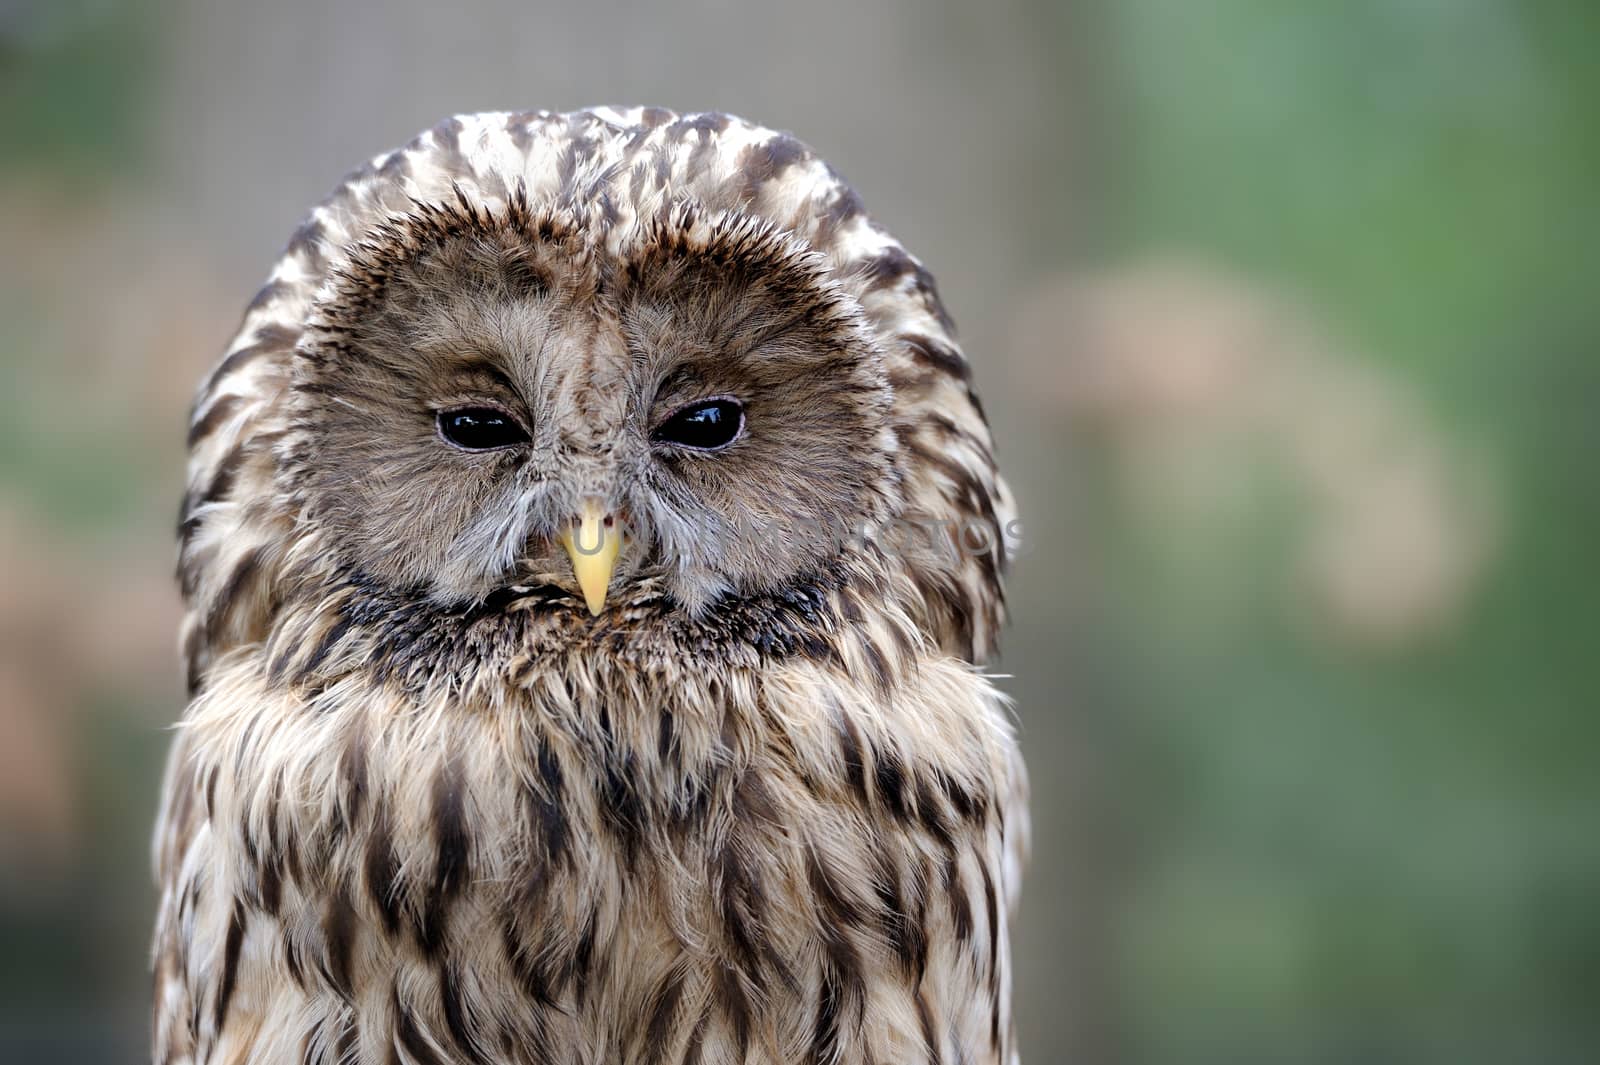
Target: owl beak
(593, 544)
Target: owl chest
(758, 856)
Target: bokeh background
(1285, 317)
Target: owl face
(665, 366)
(490, 401)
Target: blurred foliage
(74, 85)
(77, 82)
(1349, 856)
(77, 471)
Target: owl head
(612, 362)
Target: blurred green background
(1283, 314)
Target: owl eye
(480, 428)
(705, 426)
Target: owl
(591, 546)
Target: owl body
(757, 802)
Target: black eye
(480, 428)
(705, 426)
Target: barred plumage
(763, 807)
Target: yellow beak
(593, 545)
